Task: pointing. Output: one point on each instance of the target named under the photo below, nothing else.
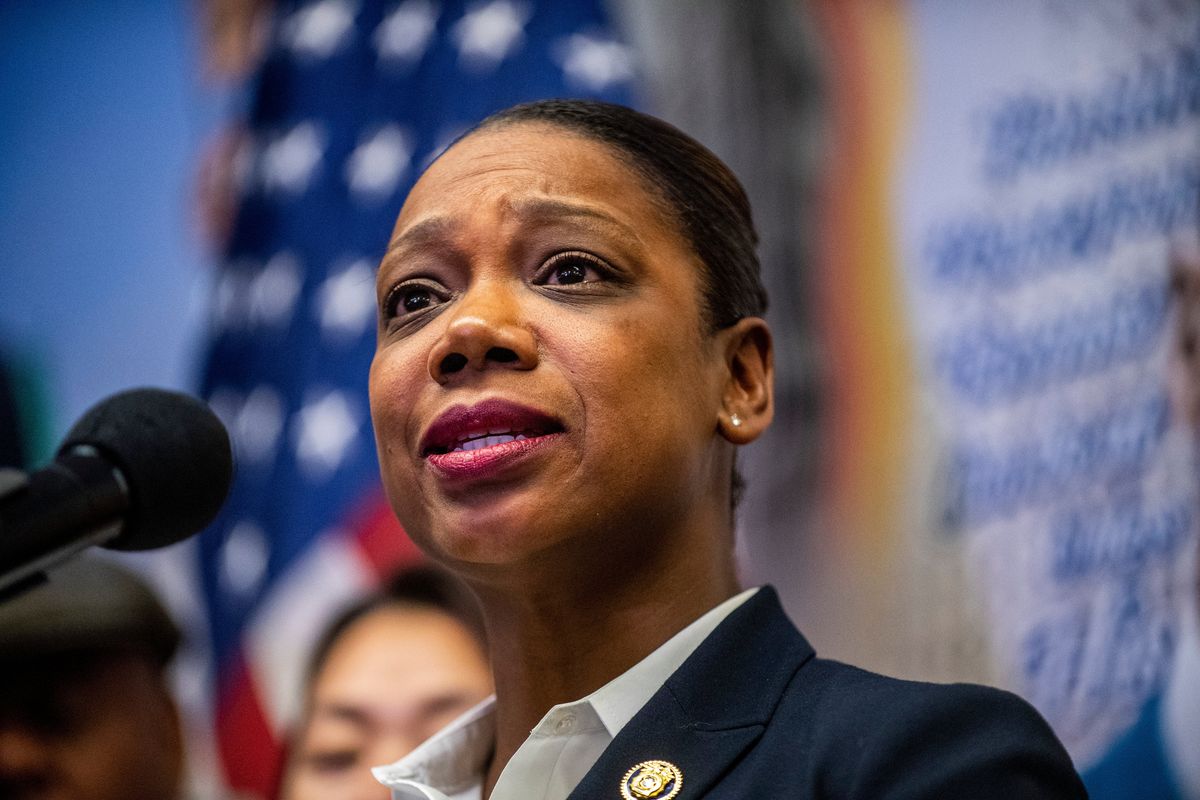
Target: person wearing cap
(86, 710)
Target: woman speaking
(570, 351)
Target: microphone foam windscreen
(175, 455)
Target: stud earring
(735, 420)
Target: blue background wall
(102, 115)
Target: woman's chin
(496, 534)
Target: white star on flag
(489, 32)
(325, 429)
(404, 34)
(378, 164)
(244, 557)
(289, 160)
(273, 293)
(346, 301)
(257, 424)
(592, 62)
(319, 29)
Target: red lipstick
(471, 442)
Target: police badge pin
(658, 779)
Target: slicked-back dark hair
(421, 587)
(705, 197)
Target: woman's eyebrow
(426, 234)
(543, 209)
(434, 232)
(423, 234)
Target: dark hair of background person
(420, 586)
(703, 194)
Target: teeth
(490, 440)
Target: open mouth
(489, 439)
(492, 423)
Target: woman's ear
(748, 402)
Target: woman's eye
(409, 299)
(415, 299)
(571, 268)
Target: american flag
(353, 99)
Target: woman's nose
(486, 330)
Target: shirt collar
(618, 700)
(454, 758)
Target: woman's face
(393, 679)
(543, 375)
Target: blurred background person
(85, 709)
(389, 672)
(1158, 757)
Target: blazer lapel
(713, 708)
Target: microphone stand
(24, 559)
(12, 481)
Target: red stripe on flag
(383, 544)
(250, 752)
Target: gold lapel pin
(659, 779)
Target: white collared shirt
(560, 750)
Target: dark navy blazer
(754, 714)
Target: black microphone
(143, 469)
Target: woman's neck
(563, 632)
